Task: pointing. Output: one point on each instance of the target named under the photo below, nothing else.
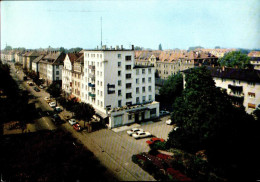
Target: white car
(169, 121)
(52, 104)
(141, 134)
(41, 86)
(133, 130)
(72, 121)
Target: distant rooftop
(105, 48)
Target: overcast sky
(174, 24)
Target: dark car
(56, 119)
(36, 89)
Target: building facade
(119, 90)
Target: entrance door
(117, 121)
(137, 117)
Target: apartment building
(120, 91)
(255, 59)
(67, 72)
(242, 85)
(35, 63)
(50, 67)
(30, 56)
(77, 77)
(169, 63)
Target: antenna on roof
(101, 31)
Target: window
(143, 89)
(137, 80)
(119, 56)
(252, 106)
(57, 66)
(143, 98)
(97, 82)
(57, 72)
(119, 93)
(100, 73)
(150, 97)
(128, 95)
(119, 103)
(128, 85)
(252, 84)
(118, 64)
(128, 76)
(137, 100)
(143, 71)
(137, 71)
(130, 117)
(149, 79)
(128, 58)
(137, 90)
(149, 70)
(150, 88)
(128, 67)
(119, 73)
(251, 95)
(119, 83)
(101, 103)
(101, 93)
(143, 80)
(100, 83)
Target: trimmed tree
(83, 112)
(235, 59)
(54, 90)
(207, 120)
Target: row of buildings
(120, 83)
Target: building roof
(233, 73)
(80, 59)
(36, 60)
(54, 57)
(74, 56)
(254, 54)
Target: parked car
(133, 130)
(153, 140)
(72, 122)
(141, 134)
(57, 109)
(56, 119)
(36, 89)
(164, 113)
(77, 127)
(47, 99)
(52, 104)
(169, 121)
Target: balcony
(240, 95)
(91, 75)
(91, 85)
(235, 88)
(91, 95)
(91, 67)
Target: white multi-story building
(67, 72)
(119, 90)
(242, 85)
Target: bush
(135, 159)
(149, 167)
(158, 146)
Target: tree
(235, 59)
(207, 120)
(54, 90)
(83, 112)
(171, 89)
(217, 47)
(160, 47)
(62, 50)
(8, 48)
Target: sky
(175, 24)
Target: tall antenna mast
(101, 32)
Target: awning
(101, 114)
(236, 88)
(137, 110)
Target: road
(114, 150)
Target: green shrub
(158, 146)
(149, 167)
(135, 159)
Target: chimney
(133, 47)
(122, 47)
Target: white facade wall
(247, 88)
(66, 75)
(106, 71)
(35, 67)
(57, 72)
